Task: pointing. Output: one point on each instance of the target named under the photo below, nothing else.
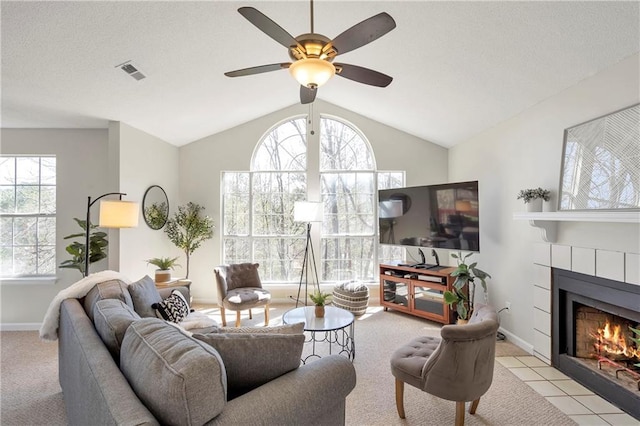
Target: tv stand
(417, 290)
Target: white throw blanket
(49, 328)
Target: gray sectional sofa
(117, 367)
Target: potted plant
(165, 265)
(319, 299)
(188, 228)
(97, 247)
(533, 198)
(464, 287)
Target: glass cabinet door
(396, 292)
(428, 300)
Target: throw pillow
(144, 294)
(174, 308)
(179, 379)
(252, 360)
(112, 317)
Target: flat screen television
(437, 216)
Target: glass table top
(334, 318)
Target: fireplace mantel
(548, 221)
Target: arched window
(291, 163)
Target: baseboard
(517, 341)
(20, 326)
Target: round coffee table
(336, 329)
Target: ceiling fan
(313, 53)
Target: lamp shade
(307, 211)
(118, 214)
(312, 72)
(390, 209)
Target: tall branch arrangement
(188, 228)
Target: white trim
(20, 326)
(517, 341)
(622, 216)
(29, 281)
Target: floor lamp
(307, 211)
(113, 214)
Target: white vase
(534, 205)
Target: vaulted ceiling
(458, 67)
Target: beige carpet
(31, 394)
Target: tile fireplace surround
(551, 262)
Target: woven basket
(352, 296)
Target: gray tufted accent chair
(458, 366)
(240, 288)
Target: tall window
(27, 216)
(258, 205)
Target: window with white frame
(27, 216)
(258, 205)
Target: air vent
(132, 70)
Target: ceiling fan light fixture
(312, 72)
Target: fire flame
(611, 340)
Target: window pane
(342, 147)
(280, 259)
(27, 199)
(27, 170)
(389, 180)
(47, 199)
(48, 170)
(7, 170)
(47, 260)
(236, 203)
(25, 229)
(274, 195)
(7, 199)
(349, 203)
(25, 260)
(237, 250)
(47, 231)
(6, 231)
(284, 148)
(352, 256)
(6, 261)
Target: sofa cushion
(112, 317)
(174, 308)
(179, 379)
(252, 360)
(112, 289)
(144, 294)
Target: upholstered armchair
(240, 288)
(458, 366)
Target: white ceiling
(458, 67)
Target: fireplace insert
(594, 324)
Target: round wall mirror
(155, 207)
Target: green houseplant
(188, 228)
(319, 299)
(463, 292)
(97, 247)
(164, 265)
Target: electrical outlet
(508, 306)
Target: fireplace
(592, 339)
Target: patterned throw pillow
(174, 308)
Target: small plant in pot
(164, 265)
(464, 287)
(533, 198)
(319, 299)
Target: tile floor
(573, 399)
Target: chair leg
(224, 318)
(250, 315)
(400, 398)
(266, 315)
(460, 413)
(237, 318)
(474, 406)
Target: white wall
(525, 152)
(202, 162)
(81, 157)
(145, 160)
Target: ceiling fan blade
(307, 95)
(363, 75)
(363, 33)
(269, 27)
(257, 70)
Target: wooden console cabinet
(417, 291)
